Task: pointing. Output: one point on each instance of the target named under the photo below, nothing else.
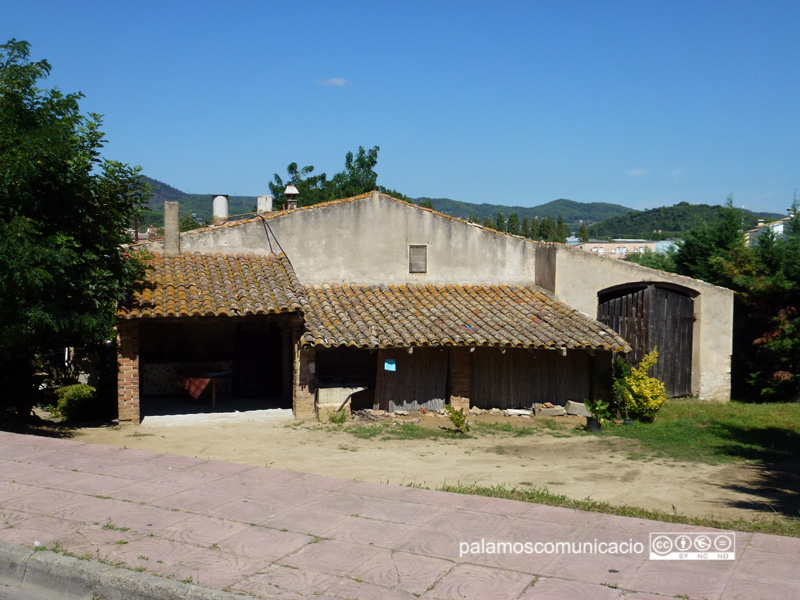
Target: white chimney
(264, 204)
(219, 208)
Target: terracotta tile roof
(435, 315)
(215, 285)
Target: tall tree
(583, 233)
(64, 212)
(513, 224)
(535, 229)
(525, 230)
(501, 222)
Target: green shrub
(638, 394)
(75, 402)
(599, 408)
(338, 417)
(457, 417)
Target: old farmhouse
(408, 307)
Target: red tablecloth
(195, 385)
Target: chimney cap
(291, 191)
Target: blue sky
(640, 103)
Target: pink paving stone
(182, 477)
(257, 586)
(382, 534)
(299, 520)
(561, 589)
(12, 452)
(11, 470)
(91, 510)
(471, 582)
(95, 449)
(594, 568)
(202, 530)
(746, 589)
(145, 491)
(771, 543)
(194, 501)
(9, 489)
(98, 542)
(318, 482)
(432, 542)
(769, 566)
(347, 588)
(148, 518)
(177, 462)
(224, 468)
(87, 484)
(289, 494)
(42, 529)
(343, 503)
(251, 510)
(307, 582)
(330, 556)
(42, 500)
(472, 523)
(568, 516)
(499, 506)
(46, 476)
(263, 543)
(396, 511)
(692, 578)
(136, 455)
(403, 571)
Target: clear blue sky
(640, 103)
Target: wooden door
(650, 316)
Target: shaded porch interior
(243, 364)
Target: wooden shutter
(418, 259)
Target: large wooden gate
(649, 316)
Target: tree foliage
(766, 357)
(64, 212)
(358, 177)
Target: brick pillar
(304, 382)
(128, 371)
(460, 378)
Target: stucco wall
(580, 276)
(366, 241)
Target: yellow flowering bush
(639, 394)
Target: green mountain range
(603, 219)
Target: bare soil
(579, 466)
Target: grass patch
(505, 429)
(769, 524)
(716, 433)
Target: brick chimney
(291, 195)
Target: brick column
(460, 378)
(304, 383)
(128, 371)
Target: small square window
(418, 258)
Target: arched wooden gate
(650, 315)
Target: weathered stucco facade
(367, 241)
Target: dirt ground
(580, 466)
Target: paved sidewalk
(279, 534)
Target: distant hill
(198, 204)
(668, 221)
(572, 212)
(603, 219)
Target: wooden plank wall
(520, 378)
(419, 381)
